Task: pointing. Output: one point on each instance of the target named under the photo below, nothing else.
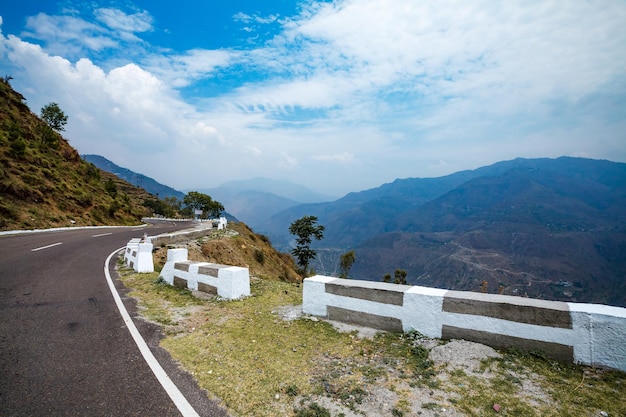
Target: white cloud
(264, 20)
(181, 70)
(120, 21)
(408, 88)
(67, 34)
(339, 157)
(288, 161)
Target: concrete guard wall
(201, 229)
(229, 282)
(589, 334)
(138, 255)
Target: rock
(461, 354)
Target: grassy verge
(528, 384)
(244, 353)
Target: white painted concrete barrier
(138, 255)
(590, 334)
(229, 282)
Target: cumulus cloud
(127, 106)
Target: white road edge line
(103, 234)
(172, 390)
(46, 247)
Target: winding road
(65, 349)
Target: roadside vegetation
(261, 358)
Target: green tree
(399, 276)
(173, 206)
(305, 229)
(215, 209)
(345, 263)
(199, 201)
(52, 114)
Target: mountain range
(252, 201)
(544, 228)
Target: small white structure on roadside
(229, 282)
(138, 255)
(220, 223)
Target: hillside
(240, 246)
(45, 183)
(545, 228)
(149, 184)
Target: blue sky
(337, 96)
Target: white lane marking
(103, 234)
(172, 390)
(46, 247)
(136, 230)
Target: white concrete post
(144, 258)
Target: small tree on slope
(305, 229)
(52, 114)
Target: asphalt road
(64, 347)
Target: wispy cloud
(124, 23)
(74, 35)
(68, 34)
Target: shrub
(292, 390)
(259, 256)
(47, 136)
(110, 187)
(313, 410)
(18, 147)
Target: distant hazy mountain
(286, 189)
(254, 201)
(140, 180)
(546, 228)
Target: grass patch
(562, 389)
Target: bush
(48, 137)
(18, 147)
(259, 256)
(313, 410)
(292, 390)
(110, 187)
